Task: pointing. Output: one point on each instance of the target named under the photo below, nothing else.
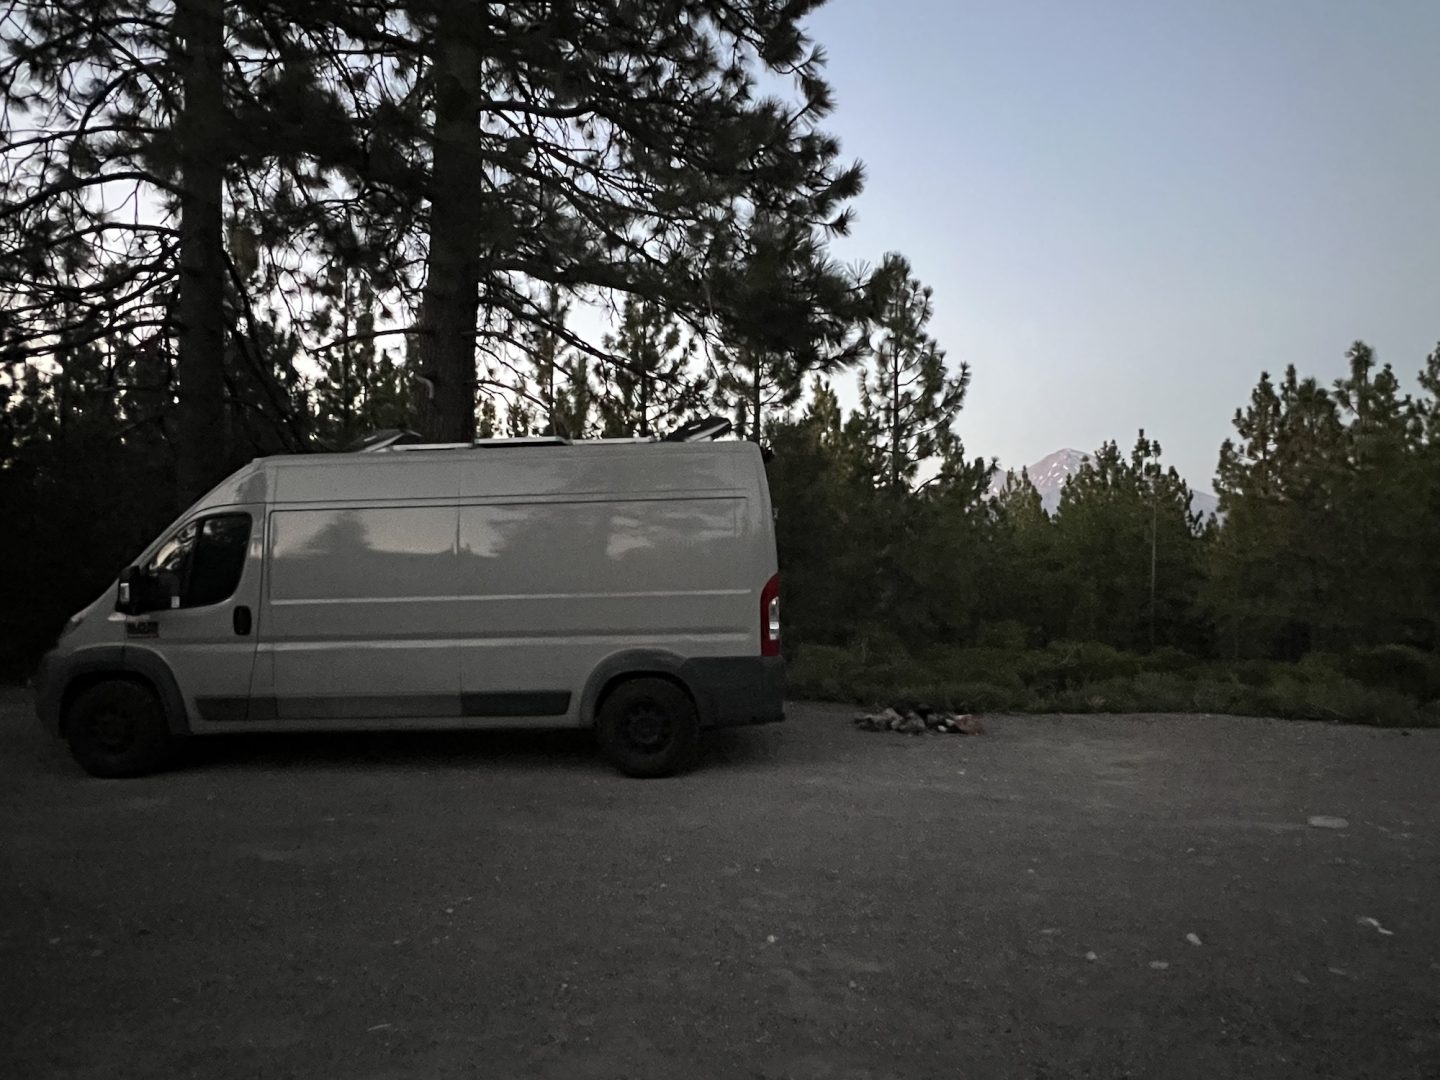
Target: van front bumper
(735, 690)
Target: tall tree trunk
(200, 363)
(755, 412)
(346, 434)
(550, 429)
(644, 404)
(895, 417)
(445, 350)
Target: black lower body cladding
(731, 691)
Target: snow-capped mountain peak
(1050, 473)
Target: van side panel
(489, 588)
(557, 585)
(368, 480)
(606, 472)
(362, 613)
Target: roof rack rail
(404, 439)
(383, 439)
(525, 440)
(708, 427)
(486, 444)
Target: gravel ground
(1065, 896)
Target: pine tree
(602, 146)
(782, 310)
(824, 518)
(550, 366)
(908, 405)
(574, 398)
(908, 400)
(1129, 549)
(1329, 502)
(1424, 495)
(1277, 565)
(652, 386)
(489, 421)
(1023, 600)
(1375, 520)
(123, 124)
(360, 388)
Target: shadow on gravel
(511, 751)
(571, 750)
(741, 748)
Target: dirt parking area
(1065, 896)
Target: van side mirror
(140, 592)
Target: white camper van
(622, 585)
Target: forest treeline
(1327, 537)
(1314, 592)
(230, 228)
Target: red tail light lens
(770, 618)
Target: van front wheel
(117, 729)
(648, 727)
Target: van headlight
(70, 625)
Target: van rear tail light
(770, 618)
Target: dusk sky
(1128, 210)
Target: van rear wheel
(648, 728)
(117, 729)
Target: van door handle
(241, 620)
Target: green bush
(877, 645)
(996, 667)
(1339, 700)
(1075, 663)
(1168, 659)
(1163, 691)
(1320, 667)
(1222, 696)
(1010, 635)
(1396, 667)
(1087, 677)
(979, 697)
(1107, 696)
(1252, 673)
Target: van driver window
(206, 557)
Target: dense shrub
(1396, 667)
(1078, 663)
(1168, 659)
(1085, 677)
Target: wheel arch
(115, 663)
(635, 664)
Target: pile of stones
(921, 720)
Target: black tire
(648, 728)
(118, 729)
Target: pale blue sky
(1127, 210)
